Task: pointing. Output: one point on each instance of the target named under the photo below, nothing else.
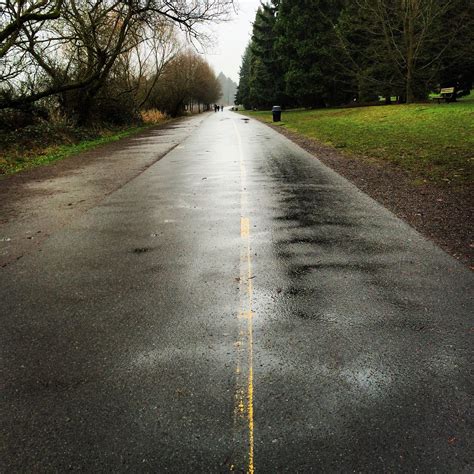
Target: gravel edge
(441, 214)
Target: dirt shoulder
(443, 215)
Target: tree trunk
(410, 48)
(84, 109)
(409, 87)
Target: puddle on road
(141, 250)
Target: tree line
(229, 89)
(105, 59)
(317, 53)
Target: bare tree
(410, 38)
(145, 63)
(186, 81)
(54, 48)
(14, 15)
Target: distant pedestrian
(222, 108)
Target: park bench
(447, 94)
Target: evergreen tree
(316, 53)
(243, 89)
(228, 87)
(266, 78)
(306, 46)
(456, 65)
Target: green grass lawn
(434, 142)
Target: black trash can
(276, 111)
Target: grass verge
(44, 144)
(433, 142)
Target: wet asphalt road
(236, 307)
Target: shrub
(153, 116)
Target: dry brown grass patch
(153, 116)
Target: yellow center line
(245, 227)
(250, 363)
(246, 312)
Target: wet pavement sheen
(236, 307)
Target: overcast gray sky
(231, 39)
